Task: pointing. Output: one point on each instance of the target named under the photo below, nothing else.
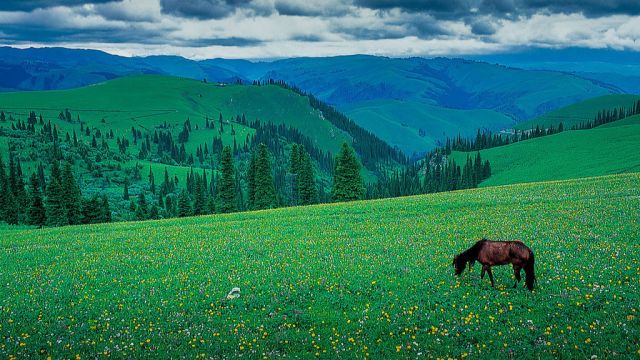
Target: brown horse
(490, 253)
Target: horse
(490, 253)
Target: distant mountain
(411, 103)
(618, 68)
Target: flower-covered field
(357, 280)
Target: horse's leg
(484, 268)
(490, 275)
(516, 273)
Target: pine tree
(184, 204)
(348, 184)
(71, 195)
(125, 194)
(226, 189)
(307, 189)
(152, 182)
(142, 212)
(91, 210)
(265, 195)
(36, 212)
(251, 181)
(55, 205)
(199, 199)
(106, 210)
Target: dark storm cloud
(448, 9)
(28, 5)
(209, 9)
(483, 27)
(593, 8)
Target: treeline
(607, 116)
(487, 139)
(222, 192)
(438, 172)
(371, 149)
(57, 201)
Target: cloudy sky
(285, 28)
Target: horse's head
(459, 264)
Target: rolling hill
(410, 103)
(361, 279)
(580, 112)
(608, 149)
(124, 130)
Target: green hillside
(147, 101)
(580, 112)
(416, 127)
(363, 279)
(142, 131)
(608, 149)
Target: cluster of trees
(607, 116)
(224, 194)
(438, 172)
(55, 202)
(487, 139)
(371, 148)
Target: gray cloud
(506, 8)
(28, 5)
(209, 9)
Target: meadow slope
(580, 112)
(608, 149)
(354, 280)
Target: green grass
(398, 122)
(582, 111)
(148, 100)
(363, 279)
(609, 149)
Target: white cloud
(139, 27)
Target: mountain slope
(414, 103)
(411, 103)
(608, 149)
(580, 112)
(132, 129)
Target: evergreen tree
(142, 212)
(91, 210)
(152, 182)
(36, 212)
(184, 204)
(265, 195)
(226, 189)
(348, 184)
(55, 205)
(125, 194)
(199, 199)
(72, 196)
(106, 210)
(251, 181)
(307, 189)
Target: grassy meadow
(608, 149)
(369, 279)
(580, 112)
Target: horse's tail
(530, 277)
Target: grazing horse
(490, 253)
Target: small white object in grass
(234, 293)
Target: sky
(262, 29)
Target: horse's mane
(470, 255)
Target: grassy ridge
(580, 112)
(147, 101)
(609, 149)
(362, 279)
